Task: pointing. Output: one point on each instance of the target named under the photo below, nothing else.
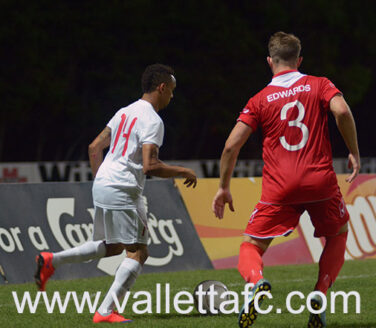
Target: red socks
(250, 263)
(331, 261)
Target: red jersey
(292, 112)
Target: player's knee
(114, 249)
(263, 244)
(138, 252)
(143, 254)
(343, 229)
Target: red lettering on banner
(11, 175)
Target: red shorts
(269, 220)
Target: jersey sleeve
(328, 91)
(111, 123)
(153, 133)
(249, 115)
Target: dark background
(67, 66)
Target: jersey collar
(286, 79)
(285, 72)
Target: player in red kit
(292, 112)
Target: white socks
(88, 251)
(125, 277)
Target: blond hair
(284, 47)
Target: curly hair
(154, 75)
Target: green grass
(357, 276)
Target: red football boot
(111, 318)
(44, 269)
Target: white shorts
(127, 226)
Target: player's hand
(222, 197)
(354, 163)
(190, 178)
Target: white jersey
(120, 179)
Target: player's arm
(346, 125)
(101, 142)
(153, 166)
(234, 143)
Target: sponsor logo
(65, 171)
(162, 234)
(68, 235)
(361, 239)
(12, 175)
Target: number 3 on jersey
(297, 123)
(126, 135)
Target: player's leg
(47, 262)
(125, 277)
(330, 264)
(330, 221)
(88, 251)
(250, 267)
(267, 221)
(331, 260)
(128, 226)
(250, 263)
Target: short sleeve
(111, 123)
(153, 134)
(328, 91)
(249, 115)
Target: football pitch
(358, 276)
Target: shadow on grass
(175, 316)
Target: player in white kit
(134, 136)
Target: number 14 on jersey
(121, 132)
